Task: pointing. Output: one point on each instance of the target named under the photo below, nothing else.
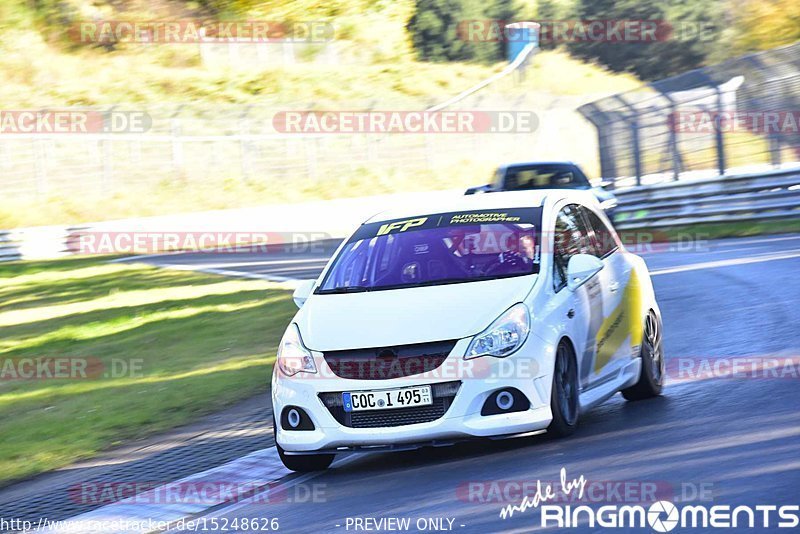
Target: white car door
(612, 337)
(581, 311)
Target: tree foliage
(765, 24)
(435, 29)
(695, 24)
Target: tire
(564, 395)
(302, 463)
(305, 463)
(651, 377)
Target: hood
(410, 315)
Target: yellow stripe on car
(624, 321)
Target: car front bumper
(527, 370)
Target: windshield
(437, 249)
(541, 176)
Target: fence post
(631, 117)
(673, 123)
(177, 147)
(677, 161)
(605, 126)
(774, 150)
(372, 148)
(108, 161)
(430, 151)
(637, 153)
(353, 148)
(244, 144)
(718, 134)
(607, 167)
(40, 163)
(311, 155)
(5, 161)
(288, 53)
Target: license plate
(387, 399)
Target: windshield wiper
(343, 289)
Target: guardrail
(9, 248)
(725, 199)
(321, 219)
(744, 197)
(655, 130)
(519, 62)
(38, 242)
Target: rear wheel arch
(651, 353)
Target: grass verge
(162, 347)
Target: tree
(504, 12)
(434, 28)
(765, 24)
(694, 25)
(437, 29)
(546, 12)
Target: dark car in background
(546, 175)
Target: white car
(494, 316)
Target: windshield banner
(514, 216)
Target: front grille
(443, 395)
(384, 363)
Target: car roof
(500, 200)
(525, 163)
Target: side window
(604, 237)
(499, 179)
(570, 238)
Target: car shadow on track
(609, 418)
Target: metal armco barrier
(725, 199)
(37, 242)
(9, 248)
(743, 197)
(716, 118)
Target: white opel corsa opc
(494, 316)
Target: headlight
(293, 357)
(504, 336)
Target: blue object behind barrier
(518, 35)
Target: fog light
(294, 418)
(504, 400)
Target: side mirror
(581, 269)
(302, 292)
(602, 184)
(479, 189)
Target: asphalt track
(712, 440)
